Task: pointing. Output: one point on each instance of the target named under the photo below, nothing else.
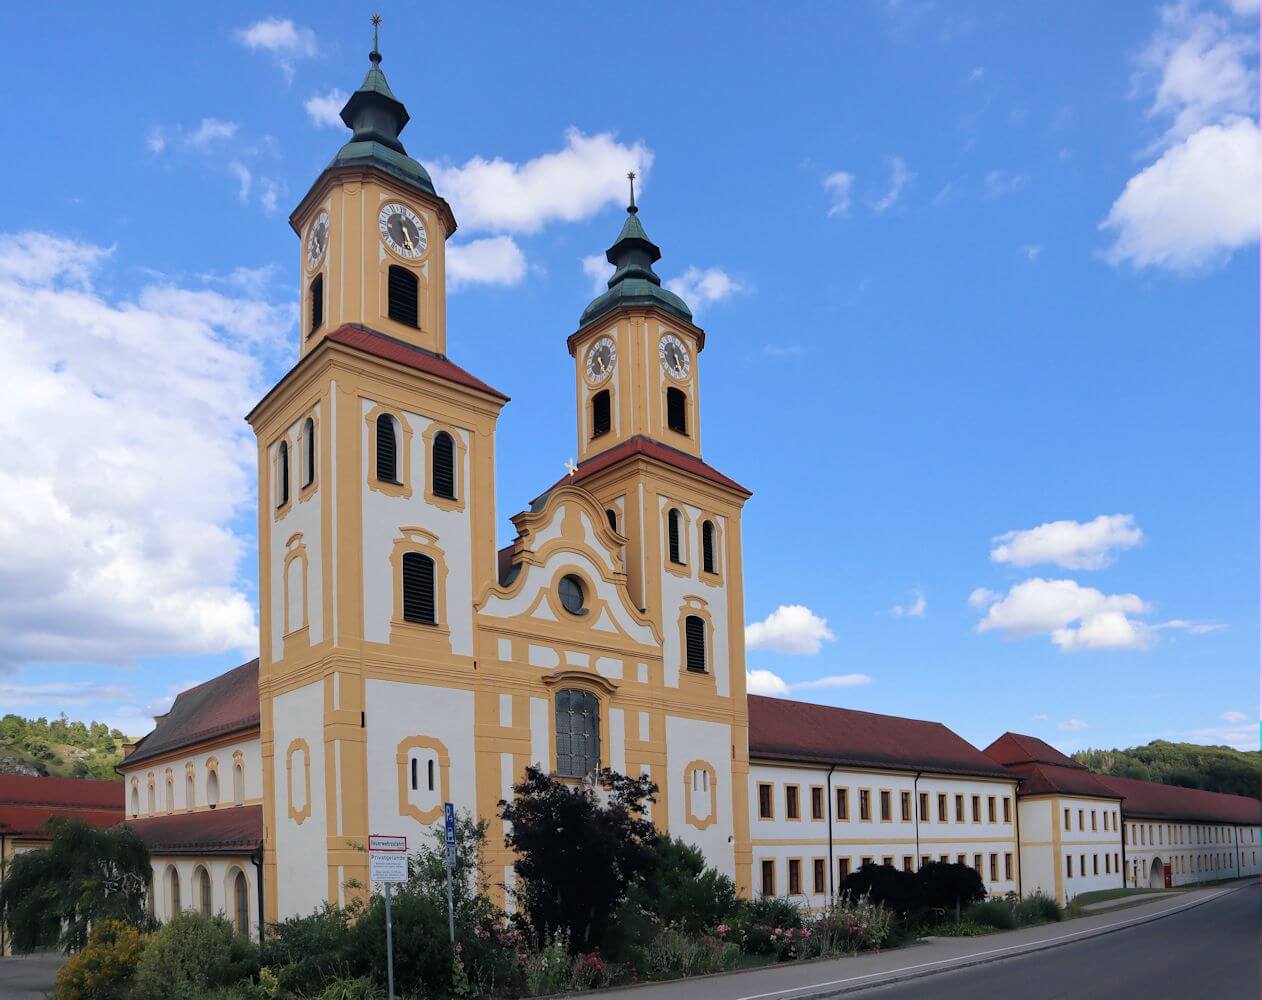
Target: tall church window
(672, 532)
(601, 421)
(212, 789)
(173, 888)
(402, 296)
(308, 452)
(240, 905)
(418, 588)
(444, 466)
(282, 467)
(317, 303)
(201, 879)
(694, 637)
(676, 410)
(577, 733)
(387, 450)
(238, 785)
(707, 546)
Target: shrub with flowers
(105, 967)
(853, 925)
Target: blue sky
(979, 282)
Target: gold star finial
(631, 178)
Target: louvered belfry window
(707, 546)
(387, 450)
(600, 413)
(402, 295)
(676, 410)
(672, 524)
(418, 588)
(694, 636)
(578, 733)
(317, 303)
(308, 442)
(444, 466)
(282, 462)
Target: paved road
(1209, 951)
(29, 977)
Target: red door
(1166, 872)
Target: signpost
(388, 863)
(449, 838)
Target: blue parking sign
(449, 817)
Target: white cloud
(245, 178)
(1032, 251)
(209, 134)
(60, 693)
(494, 260)
(1075, 617)
(701, 288)
(791, 628)
(326, 109)
(1041, 717)
(915, 608)
(998, 183)
(838, 186)
(568, 185)
(269, 193)
(1071, 724)
(1198, 201)
(282, 39)
(598, 271)
(900, 176)
(1071, 544)
(144, 467)
(769, 683)
(1234, 718)
(1194, 206)
(1245, 8)
(976, 74)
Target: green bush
(191, 955)
(1038, 908)
(308, 952)
(943, 886)
(897, 889)
(683, 892)
(852, 925)
(104, 969)
(675, 954)
(361, 988)
(996, 913)
(769, 926)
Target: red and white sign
(387, 858)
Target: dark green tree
(579, 849)
(52, 896)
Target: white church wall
(301, 821)
(302, 519)
(689, 740)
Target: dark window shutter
(444, 466)
(673, 525)
(612, 516)
(707, 546)
(282, 459)
(600, 413)
(694, 635)
(676, 410)
(402, 295)
(317, 303)
(308, 433)
(413, 774)
(577, 733)
(387, 450)
(418, 588)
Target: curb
(878, 979)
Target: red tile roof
(1153, 800)
(28, 803)
(226, 830)
(1044, 770)
(225, 704)
(794, 730)
(647, 448)
(391, 349)
(1013, 748)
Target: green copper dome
(377, 117)
(634, 282)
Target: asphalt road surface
(30, 977)
(1209, 951)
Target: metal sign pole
(389, 947)
(449, 831)
(387, 864)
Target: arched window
(201, 883)
(238, 785)
(444, 466)
(282, 469)
(672, 524)
(153, 805)
(387, 450)
(577, 732)
(317, 303)
(212, 789)
(402, 296)
(707, 546)
(240, 904)
(190, 791)
(135, 800)
(694, 637)
(173, 889)
(611, 516)
(308, 452)
(418, 588)
(170, 791)
(600, 413)
(676, 410)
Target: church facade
(405, 661)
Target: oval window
(572, 596)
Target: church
(405, 661)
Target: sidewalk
(815, 980)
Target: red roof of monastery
(225, 704)
(1044, 770)
(391, 349)
(1013, 748)
(27, 803)
(226, 830)
(1153, 800)
(647, 448)
(797, 730)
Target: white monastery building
(405, 662)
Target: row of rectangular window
(1096, 818)
(994, 805)
(1158, 834)
(1111, 864)
(767, 870)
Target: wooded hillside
(59, 748)
(1215, 769)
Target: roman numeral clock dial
(402, 230)
(674, 357)
(317, 240)
(601, 358)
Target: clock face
(601, 357)
(674, 355)
(402, 229)
(318, 240)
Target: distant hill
(1215, 769)
(60, 748)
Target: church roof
(28, 802)
(225, 704)
(226, 830)
(786, 730)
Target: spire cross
(376, 24)
(631, 178)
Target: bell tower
(373, 230)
